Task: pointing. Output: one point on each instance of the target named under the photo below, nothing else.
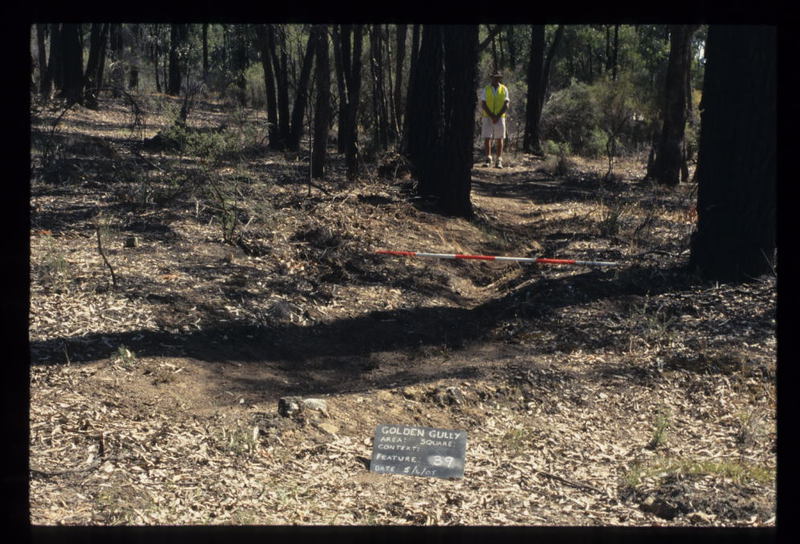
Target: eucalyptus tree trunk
(322, 109)
(736, 175)
(669, 155)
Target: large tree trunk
(425, 110)
(301, 96)
(322, 109)
(454, 164)
(669, 155)
(736, 232)
(72, 61)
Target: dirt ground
(634, 395)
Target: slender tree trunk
(205, 52)
(399, 59)
(669, 156)
(338, 46)
(45, 81)
(380, 111)
(352, 158)
(538, 77)
(425, 111)
(269, 85)
(72, 59)
(280, 67)
(323, 104)
(176, 41)
(93, 77)
(615, 54)
(530, 141)
(736, 201)
(454, 165)
(301, 96)
(55, 66)
(415, 37)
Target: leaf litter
(635, 396)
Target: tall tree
(179, 34)
(669, 156)
(379, 99)
(273, 134)
(98, 38)
(736, 201)
(276, 35)
(322, 109)
(72, 63)
(55, 66)
(349, 70)
(412, 58)
(205, 51)
(424, 110)
(538, 75)
(45, 80)
(397, 102)
(301, 95)
(454, 163)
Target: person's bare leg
(499, 151)
(488, 147)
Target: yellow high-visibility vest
(495, 100)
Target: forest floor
(636, 395)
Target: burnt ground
(631, 395)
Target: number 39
(438, 460)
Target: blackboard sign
(419, 451)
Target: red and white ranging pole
(532, 260)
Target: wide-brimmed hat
(496, 74)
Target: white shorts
(493, 130)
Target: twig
(577, 485)
(103, 255)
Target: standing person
(494, 100)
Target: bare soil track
(635, 395)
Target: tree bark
(379, 109)
(55, 65)
(736, 202)
(322, 110)
(72, 62)
(178, 36)
(353, 80)
(412, 58)
(341, 86)
(45, 81)
(669, 155)
(454, 164)
(400, 53)
(277, 48)
(94, 73)
(301, 96)
(538, 77)
(425, 110)
(205, 52)
(269, 85)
